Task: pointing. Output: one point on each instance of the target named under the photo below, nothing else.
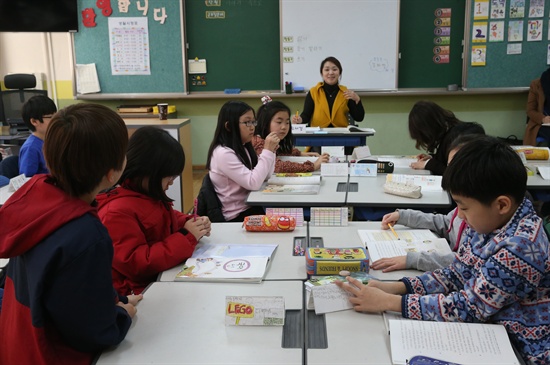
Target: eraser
(344, 273)
(232, 91)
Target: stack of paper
(383, 244)
(293, 185)
(462, 343)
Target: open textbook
(293, 185)
(383, 244)
(462, 343)
(231, 263)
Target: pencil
(393, 231)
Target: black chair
(9, 167)
(208, 202)
(19, 91)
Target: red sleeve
(138, 259)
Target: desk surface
(353, 338)
(284, 265)
(371, 193)
(327, 197)
(536, 181)
(184, 323)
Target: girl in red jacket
(149, 236)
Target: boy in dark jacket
(59, 305)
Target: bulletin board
(167, 69)
(501, 54)
(431, 33)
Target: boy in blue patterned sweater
(501, 273)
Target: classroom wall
(500, 114)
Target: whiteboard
(361, 34)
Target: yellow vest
(321, 117)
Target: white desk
(284, 265)
(353, 338)
(371, 194)
(184, 323)
(348, 237)
(536, 181)
(327, 197)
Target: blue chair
(9, 167)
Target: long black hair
(153, 154)
(228, 133)
(266, 112)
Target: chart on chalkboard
(361, 34)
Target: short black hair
(83, 142)
(153, 154)
(265, 114)
(333, 60)
(485, 168)
(36, 107)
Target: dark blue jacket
(59, 305)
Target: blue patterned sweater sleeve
(502, 277)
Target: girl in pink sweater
(233, 165)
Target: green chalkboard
(165, 48)
(503, 70)
(419, 43)
(240, 41)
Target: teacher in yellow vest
(328, 103)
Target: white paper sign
(299, 128)
(362, 169)
(330, 298)
(334, 169)
(254, 311)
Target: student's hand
(134, 299)
(130, 308)
(296, 119)
(322, 159)
(366, 298)
(271, 142)
(390, 218)
(390, 287)
(199, 227)
(388, 264)
(546, 120)
(419, 165)
(310, 154)
(423, 157)
(350, 94)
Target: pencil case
(402, 189)
(330, 261)
(269, 223)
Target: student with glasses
(148, 235)
(37, 113)
(233, 165)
